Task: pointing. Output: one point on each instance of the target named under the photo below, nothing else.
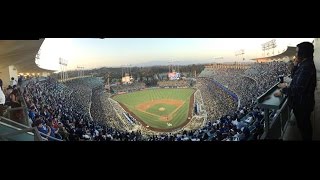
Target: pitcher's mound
(162, 109)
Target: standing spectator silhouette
(301, 89)
(2, 99)
(13, 82)
(20, 80)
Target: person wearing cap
(300, 92)
(9, 91)
(13, 82)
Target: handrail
(267, 91)
(23, 107)
(37, 136)
(11, 121)
(24, 117)
(280, 110)
(11, 126)
(48, 136)
(34, 132)
(17, 108)
(276, 119)
(23, 100)
(20, 131)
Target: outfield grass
(152, 115)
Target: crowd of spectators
(266, 74)
(126, 88)
(174, 84)
(79, 109)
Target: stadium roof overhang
(289, 52)
(21, 54)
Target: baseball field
(159, 109)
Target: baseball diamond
(159, 109)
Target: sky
(115, 52)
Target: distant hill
(165, 63)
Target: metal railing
(31, 131)
(18, 129)
(274, 126)
(277, 124)
(17, 122)
(22, 129)
(47, 137)
(19, 114)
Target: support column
(315, 116)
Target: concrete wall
(5, 77)
(45, 74)
(316, 115)
(6, 74)
(13, 73)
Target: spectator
(84, 110)
(14, 99)
(2, 99)
(301, 89)
(32, 113)
(20, 80)
(43, 128)
(63, 132)
(9, 91)
(13, 82)
(54, 131)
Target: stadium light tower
(273, 45)
(269, 45)
(121, 70)
(264, 49)
(80, 71)
(66, 72)
(170, 64)
(124, 69)
(130, 70)
(63, 65)
(61, 69)
(240, 53)
(127, 68)
(218, 58)
(177, 65)
(109, 80)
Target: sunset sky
(114, 52)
